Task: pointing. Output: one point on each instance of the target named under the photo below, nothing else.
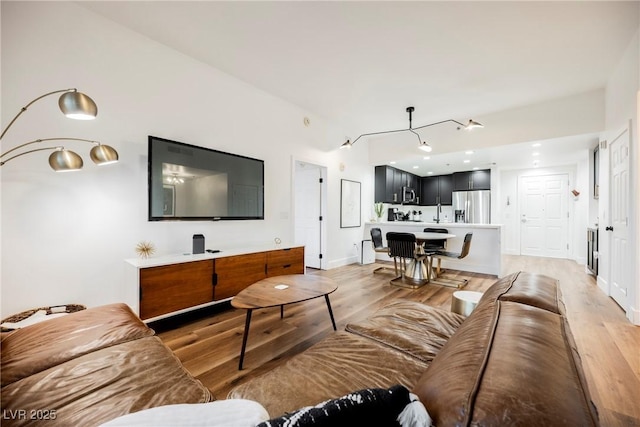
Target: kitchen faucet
(438, 209)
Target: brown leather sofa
(513, 361)
(89, 367)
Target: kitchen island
(486, 247)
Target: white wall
(65, 236)
(535, 122)
(621, 108)
(509, 215)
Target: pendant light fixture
(422, 145)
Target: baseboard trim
(343, 261)
(634, 315)
(603, 285)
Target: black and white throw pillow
(393, 407)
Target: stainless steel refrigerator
(472, 207)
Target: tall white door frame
(310, 211)
(544, 215)
(617, 226)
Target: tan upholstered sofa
(513, 361)
(89, 367)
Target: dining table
(426, 236)
(421, 238)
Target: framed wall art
(350, 206)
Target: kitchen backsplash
(422, 213)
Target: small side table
(463, 302)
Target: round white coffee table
(463, 302)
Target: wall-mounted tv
(187, 182)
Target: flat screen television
(187, 182)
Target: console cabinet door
(285, 261)
(234, 273)
(174, 287)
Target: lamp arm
(29, 104)
(379, 133)
(36, 141)
(416, 134)
(27, 152)
(438, 123)
(411, 129)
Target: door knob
(609, 228)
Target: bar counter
(486, 244)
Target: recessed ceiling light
(416, 167)
(426, 158)
(476, 168)
(468, 152)
(466, 161)
(535, 154)
(537, 144)
(392, 162)
(430, 173)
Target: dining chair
(447, 281)
(437, 245)
(403, 246)
(378, 246)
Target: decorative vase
(378, 209)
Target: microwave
(408, 195)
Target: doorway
(309, 211)
(544, 215)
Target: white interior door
(308, 211)
(619, 228)
(544, 215)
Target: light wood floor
(609, 345)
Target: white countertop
(432, 224)
(180, 258)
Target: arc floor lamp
(423, 145)
(75, 105)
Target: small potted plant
(378, 209)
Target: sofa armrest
(536, 290)
(508, 364)
(40, 346)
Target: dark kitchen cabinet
(400, 177)
(386, 185)
(429, 191)
(446, 189)
(389, 182)
(472, 180)
(436, 189)
(413, 181)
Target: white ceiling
(361, 63)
